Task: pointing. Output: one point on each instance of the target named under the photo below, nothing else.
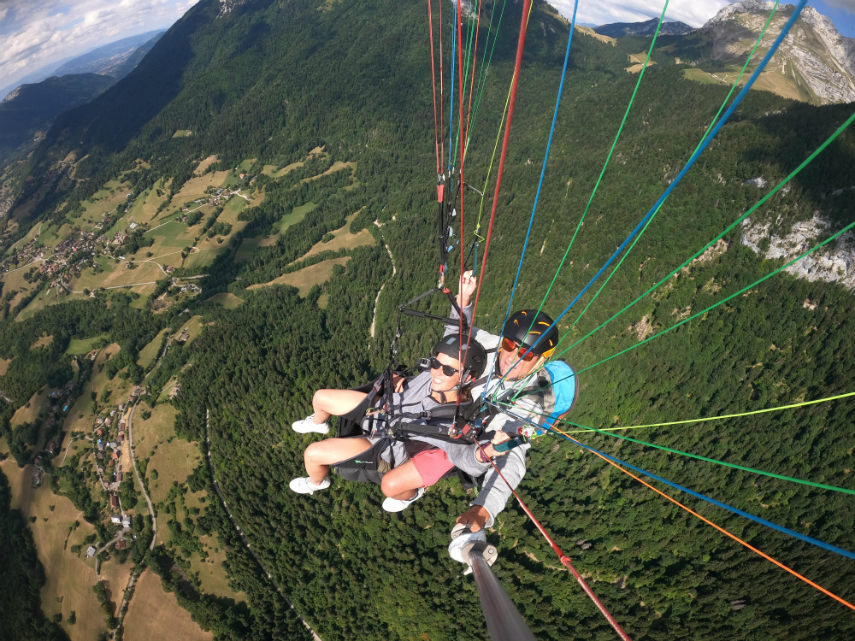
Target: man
(521, 351)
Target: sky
(37, 33)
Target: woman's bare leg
(402, 482)
(320, 454)
(334, 402)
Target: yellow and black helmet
(526, 327)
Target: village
(70, 257)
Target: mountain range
(29, 110)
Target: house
(121, 436)
(116, 519)
(90, 551)
(121, 544)
(114, 501)
(126, 520)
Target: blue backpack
(565, 387)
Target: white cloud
(846, 5)
(692, 12)
(36, 34)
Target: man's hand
(498, 437)
(475, 517)
(398, 382)
(468, 285)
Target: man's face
(507, 358)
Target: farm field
(306, 278)
(171, 620)
(69, 578)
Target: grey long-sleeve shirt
(535, 401)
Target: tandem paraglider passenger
(427, 402)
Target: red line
(717, 527)
(563, 557)
(515, 83)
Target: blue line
(747, 515)
(689, 164)
(545, 161)
(757, 519)
(540, 182)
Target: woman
(444, 383)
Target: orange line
(717, 527)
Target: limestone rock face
(814, 63)
(833, 263)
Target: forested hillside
(316, 119)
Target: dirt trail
(380, 291)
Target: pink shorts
(431, 465)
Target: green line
(608, 432)
(727, 230)
(484, 71)
(496, 144)
(700, 142)
(728, 416)
(734, 295)
(608, 158)
(735, 466)
(464, 85)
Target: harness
(373, 417)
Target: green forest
(276, 78)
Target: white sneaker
(306, 425)
(396, 505)
(304, 485)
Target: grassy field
(202, 167)
(83, 345)
(249, 245)
(43, 341)
(338, 165)
(30, 411)
(212, 572)
(116, 576)
(149, 352)
(297, 214)
(193, 326)
(701, 76)
(155, 614)
(174, 461)
(196, 187)
(232, 208)
(14, 280)
(149, 433)
(146, 204)
(69, 579)
(342, 239)
(226, 299)
(306, 278)
(116, 275)
(274, 172)
(4, 365)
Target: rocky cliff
(815, 63)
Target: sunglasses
(448, 370)
(510, 346)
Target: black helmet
(525, 328)
(474, 358)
